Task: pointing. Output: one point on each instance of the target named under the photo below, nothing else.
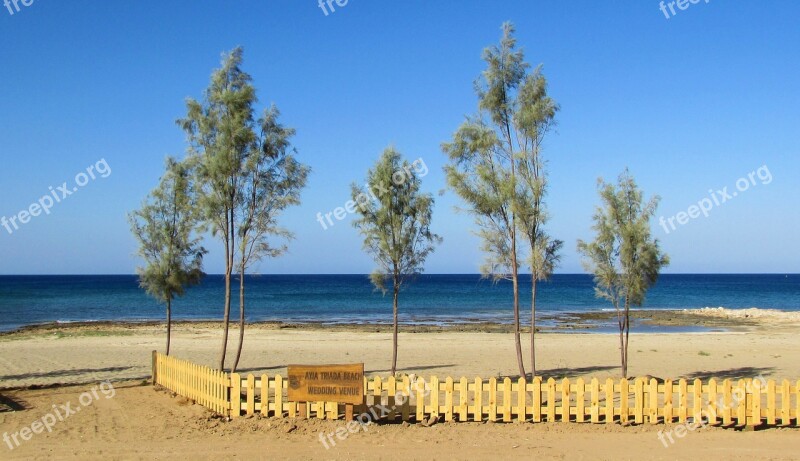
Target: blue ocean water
(432, 299)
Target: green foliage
(396, 223)
(624, 258)
(496, 167)
(164, 228)
(246, 172)
(272, 181)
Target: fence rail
(744, 402)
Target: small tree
(533, 120)
(494, 166)
(164, 228)
(624, 258)
(272, 181)
(220, 134)
(395, 226)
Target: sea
(344, 299)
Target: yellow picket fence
(209, 388)
(744, 402)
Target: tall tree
(624, 257)
(220, 132)
(272, 181)
(164, 228)
(395, 225)
(486, 155)
(534, 118)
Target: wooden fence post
(155, 365)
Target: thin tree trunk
(533, 327)
(226, 320)
(627, 338)
(241, 322)
(394, 335)
(169, 322)
(517, 341)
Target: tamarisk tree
(624, 257)
(164, 228)
(272, 181)
(395, 226)
(534, 117)
(246, 175)
(496, 168)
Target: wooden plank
(391, 390)
(653, 394)
(463, 394)
(580, 400)
(786, 403)
(683, 404)
(406, 392)
(697, 400)
(251, 394)
(348, 412)
(264, 395)
(478, 415)
(279, 398)
(419, 389)
(507, 400)
(772, 408)
(713, 397)
(594, 411)
(434, 397)
(638, 399)
(668, 406)
(797, 404)
(522, 393)
(492, 399)
(727, 402)
(448, 399)
(624, 392)
(377, 392)
(609, 393)
(755, 419)
(236, 395)
(154, 378)
(741, 408)
(551, 400)
(537, 399)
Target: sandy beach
(734, 347)
(50, 365)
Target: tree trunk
(169, 322)
(241, 323)
(517, 341)
(394, 336)
(627, 337)
(533, 327)
(226, 320)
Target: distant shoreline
(645, 321)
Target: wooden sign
(327, 383)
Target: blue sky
(689, 104)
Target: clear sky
(690, 103)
